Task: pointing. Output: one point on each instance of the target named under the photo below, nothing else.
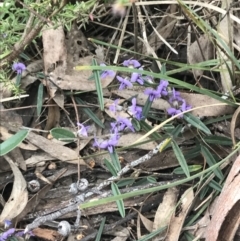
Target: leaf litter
(175, 210)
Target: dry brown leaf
(19, 195)
(59, 152)
(225, 31)
(226, 214)
(234, 124)
(164, 27)
(47, 234)
(194, 54)
(199, 228)
(177, 222)
(126, 139)
(165, 210)
(148, 224)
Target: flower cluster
(178, 104)
(135, 77)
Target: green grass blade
(89, 112)
(120, 203)
(98, 84)
(181, 159)
(13, 142)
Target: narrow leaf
(146, 108)
(39, 99)
(180, 157)
(110, 167)
(213, 184)
(120, 203)
(218, 140)
(125, 182)
(62, 134)
(89, 112)
(192, 168)
(115, 160)
(13, 142)
(211, 161)
(100, 230)
(136, 124)
(194, 121)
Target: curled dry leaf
(199, 51)
(19, 196)
(165, 210)
(59, 152)
(177, 222)
(225, 217)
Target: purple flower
(178, 104)
(114, 107)
(175, 96)
(5, 235)
(136, 110)
(83, 130)
(108, 144)
(121, 124)
(136, 77)
(22, 233)
(152, 93)
(173, 111)
(18, 67)
(7, 224)
(106, 73)
(132, 63)
(162, 87)
(124, 83)
(184, 106)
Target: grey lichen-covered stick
(80, 198)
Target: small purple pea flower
(162, 87)
(5, 235)
(114, 107)
(7, 224)
(108, 144)
(152, 93)
(83, 129)
(175, 96)
(19, 67)
(131, 63)
(124, 83)
(121, 124)
(136, 110)
(136, 77)
(106, 73)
